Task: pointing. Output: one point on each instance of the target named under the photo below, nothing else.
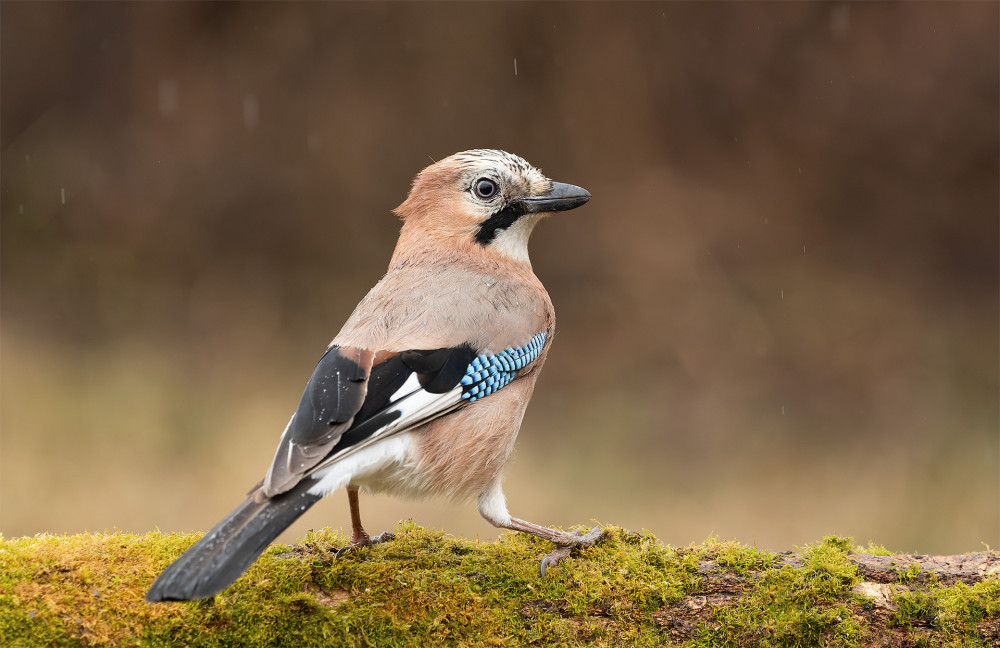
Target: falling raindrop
(62, 195)
(515, 66)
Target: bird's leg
(360, 537)
(493, 507)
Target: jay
(423, 390)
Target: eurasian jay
(423, 390)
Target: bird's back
(427, 302)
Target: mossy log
(429, 589)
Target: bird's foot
(357, 544)
(571, 541)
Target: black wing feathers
(440, 369)
(348, 399)
(333, 395)
(387, 376)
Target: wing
(332, 397)
(356, 397)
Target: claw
(357, 545)
(563, 549)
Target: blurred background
(778, 317)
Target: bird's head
(483, 200)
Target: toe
(562, 551)
(555, 557)
(358, 545)
(385, 536)
(591, 538)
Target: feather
(440, 369)
(333, 396)
(225, 552)
(355, 395)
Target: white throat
(513, 241)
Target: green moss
(952, 611)
(908, 574)
(873, 549)
(429, 589)
(789, 606)
(738, 558)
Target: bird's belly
(461, 455)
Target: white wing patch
(421, 406)
(379, 452)
(411, 385)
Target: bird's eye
(485, 188)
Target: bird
(422, 392)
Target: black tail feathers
(224, 553)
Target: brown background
(778, 315)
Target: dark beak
(561, 197)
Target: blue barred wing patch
(489, 372)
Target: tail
(224, 553)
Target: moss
(738, 558)
(873, 549)
(953, 612)
(789, 606)
(909, 574)
(429, 589)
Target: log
(429, 589)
